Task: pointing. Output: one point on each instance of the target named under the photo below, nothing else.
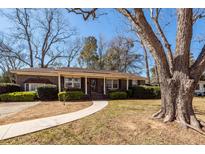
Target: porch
(92, 85)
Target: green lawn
(121, 122)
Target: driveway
(7, 109)
(25, 127)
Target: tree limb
(183, 40)
(146, 33)
(198, 14)
(155, 19)
(199, 65)
(83, 12)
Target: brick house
(91, 82)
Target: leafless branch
(145, 32)
(85, 13)
(198, 14)
(154, 13)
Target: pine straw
(121, 122)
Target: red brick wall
(122, 84)
(20, 79)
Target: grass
(121, 122)
(44, 109)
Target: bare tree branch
(23, 18)
(39, 39)
(145, 31)
(155, 18)
(85, 13)
(8, 52)
(198, 14)
(55, 32)
(198, 67)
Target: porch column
(127, 84)
(59, 82)
(104, 87)
(86, 85)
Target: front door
(93, 85)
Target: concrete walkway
(9, 108)
(21, 128)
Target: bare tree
(101, 52)
(8, 61)
(146, 61)
(121, 55)
(22, 20)
(73, 51)
(178, 79)
(54, 33)
(43, 32)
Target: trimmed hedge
(117, 95)
(47, 92)
(18, 97)
(70, 95)
(146, 92)
(129, 93)
(72, 89)
(9, 87)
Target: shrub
(9, 87)
(146, 92)
(47, 92)
(70, 95)
(18, 97)
(72, 89)
(129, 93)
(118, 95)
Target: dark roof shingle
(77, 70)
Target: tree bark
(177, 85)
(176, 101)
(146, 62)
(156, 73)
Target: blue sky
(113, 23)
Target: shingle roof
(84, 70)
(34, 70)
(76, 70)
(38, 80)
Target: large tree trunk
(178, 83)
(176, 101)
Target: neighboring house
(200, 89)
(91, 82)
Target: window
(68, 83)
(32, 86)
(77, 83)
(115, 84)
(109, 84)
(112, 84)
(134, 82)
(26, 87)
(72, 83)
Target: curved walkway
(25, 127)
